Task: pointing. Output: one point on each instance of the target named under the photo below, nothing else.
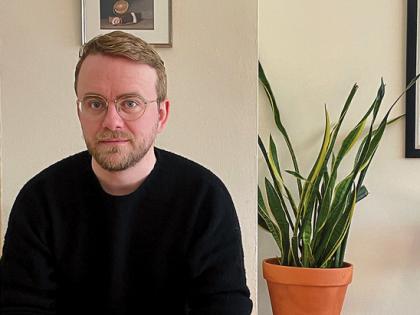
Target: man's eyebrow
(118, 96)
(93, 94)
(130, 94)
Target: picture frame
(412, 118)
(151, 20)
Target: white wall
(212, 85)
(313, 52)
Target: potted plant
(311, 230)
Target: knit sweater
(173, 246)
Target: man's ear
(163, 114)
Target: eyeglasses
(129, 106)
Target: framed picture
(151, 20)
(412, 118)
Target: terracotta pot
(306, 291)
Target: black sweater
(171, 247)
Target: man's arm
(216, 261)
(27, 284)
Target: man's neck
(125, 182)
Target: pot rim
(291, 275)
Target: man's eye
(95, 104)
(130, 104)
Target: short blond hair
(125, 45)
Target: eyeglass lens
(128, 107)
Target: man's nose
(112, 119)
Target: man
(123, 228)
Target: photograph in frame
(147, 19)
(127, 15)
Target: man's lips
(113, 141)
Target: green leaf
(323, 152)
(308, 259)
(274, 169)
(271, 225)
(308, 189)
(274, 162)
(351, 139)
(324, 210)
(279, 124)
(261, 202)
(294, 256)
(296, 175)
(271, 98)
(339, 231)
(273, 154)
(337, 126)
(274, 230)
(336, 259)
(363, 153)
(279, 214)
(341, 193)
(343, 248)
(309, 196)
(373, 145)
(347, 144)
(262, 223)
(395, 119)
(409, 86)
(362, 192)
(275, 175)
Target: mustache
(110, 135)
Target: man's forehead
(116, 68)
(98, 71)
(105, 61)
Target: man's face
(114, 143)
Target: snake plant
(311, 229)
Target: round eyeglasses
(129, 107)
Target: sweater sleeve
(27, 284)
(216, 260)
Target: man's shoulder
(62, 170)
(186, 170)
(57, 180)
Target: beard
(116, 158)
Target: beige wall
(313, 52)
(212, 85)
